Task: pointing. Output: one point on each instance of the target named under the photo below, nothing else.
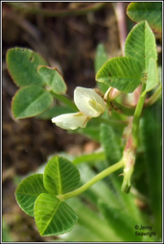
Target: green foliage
(140, 44)
(54, 111)
(81, 233)
(22, 64)
(53, 79)
(37, 196)
(30, 101)
(98, 191)
(151, 129)
(100, 58)
(126, 73)
(53, 216)
(91, 130)
(110, 143)
(112, 148)
(152, 77)
(60, 176)
(92, 157)
(28, 191)
(123, 73)
(118, 221)
(92, 220)
(150, 11)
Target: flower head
(71, 121)
(90, 105)
(89, 102)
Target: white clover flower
(89, 102)
(71, 121)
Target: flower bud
(111, 94)
(89, 102)
(71, 121)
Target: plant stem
(137, 114)
(95, 179)
(129, 153)
(120, 12)
(66, 101)
(92, 157)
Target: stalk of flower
(90, 105)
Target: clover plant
(107, 114)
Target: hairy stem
(129, 153)
(95, 179)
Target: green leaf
(22, 65)
(152, 76)
(100, 58)
(151, 131)
(140, 44)
(87, 236)
(112, 150)
(90, 132)
(53, 216)
(30, 101)
(53, 79)
(160, 74)
(123, 73)
(110, 143)
(122, 223)
(27, 192)
(92, 157)
(92, 220)
(60, 176)
(150, 11)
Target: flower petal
(88, 101)
(71, 121)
